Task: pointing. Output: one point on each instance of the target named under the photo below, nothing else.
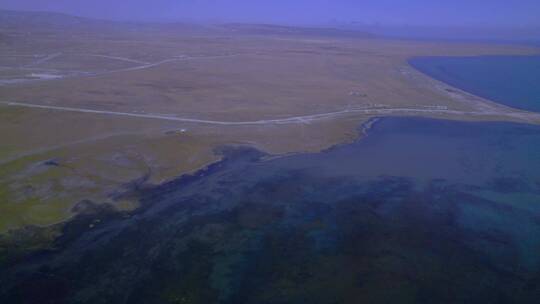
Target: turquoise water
(510, 80)
(419, 211)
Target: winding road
(141, 65)
(526, 116)
(485, 110)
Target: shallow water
(510, 80)
(419, 211)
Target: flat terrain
(89, 111)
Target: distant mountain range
(268, 29)
(528, 34)
(23, 19)
(43, 21)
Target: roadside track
(527, 116)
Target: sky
(492, 13)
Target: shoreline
(446, 80)
(229, 154)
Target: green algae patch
(31, 211)
(16, 244)
(42, 190)
(33, 192)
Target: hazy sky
(413, 12)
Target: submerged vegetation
(355, 223)
(244, 163)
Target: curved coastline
(489, 77)
(251, 198)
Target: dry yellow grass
(216, 75)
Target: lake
(419, 211)
(510, 80)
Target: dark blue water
(510, 80)
(420, 211)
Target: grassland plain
(51, 159)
